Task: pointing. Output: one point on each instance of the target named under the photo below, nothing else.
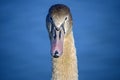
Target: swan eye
(65, 18)
(51, 19)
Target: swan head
(59, 25)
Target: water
(25, 47)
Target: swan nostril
(56, 55)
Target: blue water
(25, 47)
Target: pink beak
(57, 44)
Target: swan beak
(57, 42)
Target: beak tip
(56, 54)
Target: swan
(63, 51)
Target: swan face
(59, 24)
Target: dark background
(25, 47)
